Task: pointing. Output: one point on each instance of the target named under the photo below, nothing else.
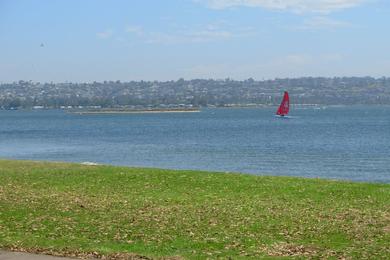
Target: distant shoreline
(135, 111)
(107, 111)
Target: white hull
(287, 117)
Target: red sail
(284, 106)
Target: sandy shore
(134, 111)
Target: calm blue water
(343, 143)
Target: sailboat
(284, 106)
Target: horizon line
(179, 79)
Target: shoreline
(297, 106)
(258, 174)
(132, 112)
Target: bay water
(349, 143)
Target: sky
(97, 40)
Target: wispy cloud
(104, 34)
(199, 36)
(306, 59)
(138, 30)
(217, 31)
(321, 23)
(296, 6)
(290, 65)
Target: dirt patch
(286, 249)
(88, 255)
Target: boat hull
(282, 117)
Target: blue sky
(96, 40)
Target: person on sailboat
(284, 106)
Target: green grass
(72, 209)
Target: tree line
(196, 92)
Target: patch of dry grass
(125, 213)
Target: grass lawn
(72, 209)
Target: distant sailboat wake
(284, 107)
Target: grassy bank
(75, 209)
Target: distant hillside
(197, 92)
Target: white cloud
(322, 22)
(296, 6)
(217, 31)
(105, 34)
(296, 59)
(164, 38)
(209, 33)
(304, 61)
(290, 65)
(138, 30)
(212, 32)
(189, 37)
